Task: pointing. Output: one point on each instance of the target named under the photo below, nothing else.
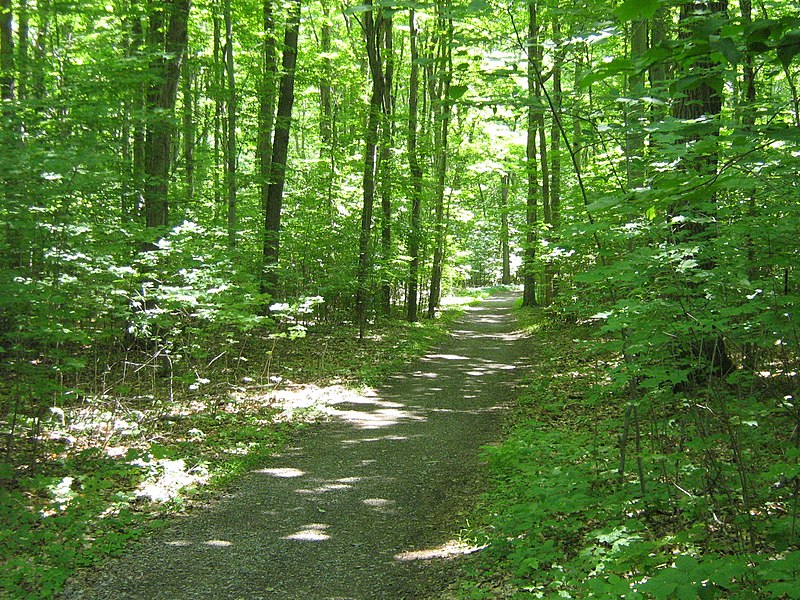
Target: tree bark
(701, 98)
(168, 37)
(442, 114)
(416, 175)
(505, 250)
(372, 26)
(266, 103)
(280, 153)
(386, 170)
(555, 172)
(634, 133)
(6, 52)
(231, 101)
(189, 133)
(23, 50)
(531, 170)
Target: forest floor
(368, 504)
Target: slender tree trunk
(266, 103)
(231, 102)
(23, 63)
(555, 172)
(372, 28)
(6, 52)
(168, 36)
(280, 153)
(217, 85)
(386, 165)
(442, 115)
(505, 250)
(416, 175)
(326, 122)
(634, 132)
(137, 108)
(702, 98)
(531, 216)
(189, 132)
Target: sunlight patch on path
(313, 532)
(451, 549)
(283, 472)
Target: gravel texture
(366, 506)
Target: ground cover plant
(108, 469)
(692, 496)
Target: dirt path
(367, 506)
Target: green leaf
(6, 472)
(605, 70)
(457, 91)
(634, 10)
(789, 47)
(726, 47)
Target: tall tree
(372, 26)
(416, 174)
(531, 170)
(6, 51)
(554, 196)
(280, 152)
(231, 101)
(266, 102)
(701, 101)
(386, 168)
(167, 38)
(442, 113)
(505, 249)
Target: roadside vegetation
(688, 493)
(93, 474)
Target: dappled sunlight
(379, 504)
(446, 357)
(383, 438)
(284, 472)
(314, 532)
(385, 417)
(218, 543)
(450, 549)
(327, 487)
(330, 486)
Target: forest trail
(367, 506)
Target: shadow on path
(365, 507)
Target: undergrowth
(103, 467)
(675, 515)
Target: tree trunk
(167, 36)
(701, 98)
(266, 104)
(634, 132)
(217, 84)
(189, 132)
(442, 114)
(280, 153)
(326, 121)
(386, 171)
(6, 53)
(531, 170)
(416, 176)
(231, 100)
(23, 66)
(372, 26)
(505, 251)
(555, 173)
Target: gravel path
(366, 507)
